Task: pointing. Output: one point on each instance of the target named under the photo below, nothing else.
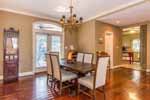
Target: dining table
(81, 68)
(78, 67)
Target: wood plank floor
(124, 84)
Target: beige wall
(24, 24)
(86, 37)
(89, 33)
(101, 29)
(70, 39)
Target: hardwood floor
(124, 84)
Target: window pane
(56, 44)
(41, 49)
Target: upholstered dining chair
(80, 57)
(88, 58)
(96, 81)
(49, 67)
(61, 75)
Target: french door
(41, 49)
(45, 43)
(54, 43)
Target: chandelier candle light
(72, 21)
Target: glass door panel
(41, 49)
(56, 43)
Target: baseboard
(40, 70)
(20, 74)
(113, 67)
(26, 74)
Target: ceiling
(88, 9)
(132, 15)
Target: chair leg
(104, 92)
(78, 90)
(52, 83)
(104, 96)
(50, 79)
(60, 91)
(76, 86)
(55, 84)
(94, 95)
(47, 78)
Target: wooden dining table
(80, 68)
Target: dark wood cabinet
(11, 55)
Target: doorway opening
(131, 47)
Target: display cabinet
(11, 55)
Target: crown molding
(28, 14)
(120, 8)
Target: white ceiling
(132, 15)
(47, 8)
(88, 9)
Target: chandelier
(72, 20)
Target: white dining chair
(49, 68)
(80, 57)
(50, 77)
(61, 75)
(95, 81)
(88, 58)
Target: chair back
(49, 64)
(56, 66)
(88, 58)
(80, 57)
(100, 76)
